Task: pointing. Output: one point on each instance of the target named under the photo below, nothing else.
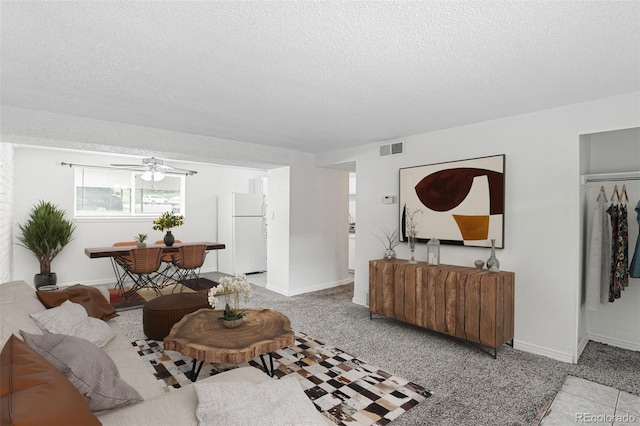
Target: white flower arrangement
(231, 289)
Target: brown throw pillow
(88, 367)
(89, 297)
(34, 392)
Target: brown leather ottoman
(161, 313)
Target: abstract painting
(458, 202)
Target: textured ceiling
(314, 76)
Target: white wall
(542, 209)
(616, 323)
(39, 175)
(318, 223)
(6, 211)
(278, 233)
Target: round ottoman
(161, 313)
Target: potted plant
(46, 233)
(231, 288)
(140, 239)
(168, 220)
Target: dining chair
(191, 259)
(143, 268)
(169, 260)
(118, 263)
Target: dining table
(118, 254)
(116, 251)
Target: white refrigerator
(242, 229)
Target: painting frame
(458, 202)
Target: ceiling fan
(154, 169)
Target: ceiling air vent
(392, 148)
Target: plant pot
(41, 280)
(169, 239)
(142, 245)
(232, 323)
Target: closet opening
(609, 310)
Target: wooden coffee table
(201, 336)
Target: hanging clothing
(622, 268)
(614, 284)
(634, 270)
(619, 277)
(599, 264)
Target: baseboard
(581, 346)
(540, 350)
(619, 343)
(359, 301)
(308, 289)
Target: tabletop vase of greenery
(167, 221)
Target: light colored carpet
(470, 387)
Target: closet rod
(611, 177)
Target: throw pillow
(34, 392)
(88, 367)
(91, 298)
(269, 403)
(72, 319)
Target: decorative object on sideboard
(493, 264)
(433, 252)
(411, 227)
(470, 191)
(140, 239)
(167, 221)
(479, 264)
(389, 242)
(46, 233)
(231, 289)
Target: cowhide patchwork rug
(345, 389)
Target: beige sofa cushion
(175, 407)
(72, 319)
(88, 367)
(273, 403)
(18, 300)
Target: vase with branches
(390, 241)
(412, 230)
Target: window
(122, 193)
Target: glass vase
(412, 247)
(493, 263)
(433, 252)
(389, 254)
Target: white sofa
(18, 300)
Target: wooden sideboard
(474, 305)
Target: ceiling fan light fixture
(152, 175)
